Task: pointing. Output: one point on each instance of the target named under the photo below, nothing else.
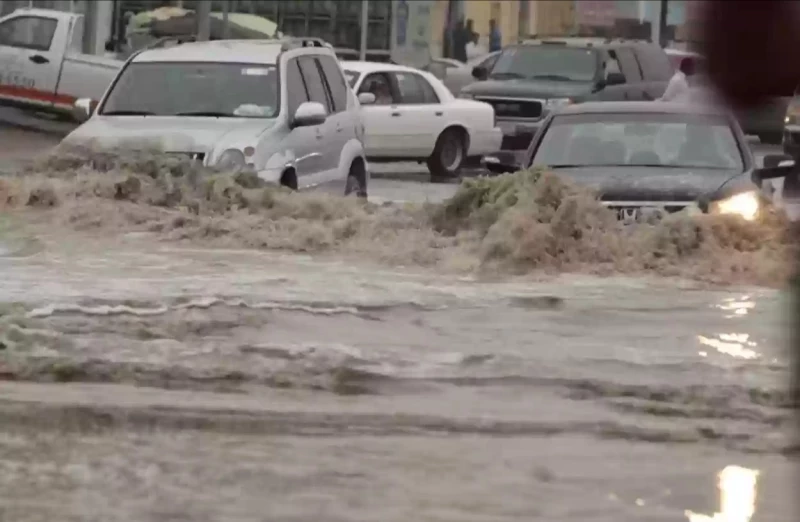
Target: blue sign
(402, 22)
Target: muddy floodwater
(144, 381)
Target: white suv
(279, 107)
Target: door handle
(38, 58)
(439, 113)
(395, 114)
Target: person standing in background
(460, 40)
(678, 86)
(495, 38)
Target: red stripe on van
(36, 95)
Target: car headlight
(231, 159)
(558, 102)
(746, 205)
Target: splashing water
(523, 222)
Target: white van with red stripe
(41, 65)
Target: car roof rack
(177, 40)
(296, 42)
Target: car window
(196, 89)
(612, 65)
(672, 141)
(352, 78)
(313, 80)
(379, 85)
(414, 89)
(630, 66)
(336, 82)
(551, 62)
(28, 32)
(654, 61)
(295, 87)
(489, 62)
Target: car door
(340, 119)
(417, 116)
(633, 74)
(302, 144)
(320, 144)
(656, 69)
(618, 92)
(377, 117)
(29, 68)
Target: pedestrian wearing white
(678, 86)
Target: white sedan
(414, 117)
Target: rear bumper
(485, 142)
(517, 134)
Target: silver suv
(281, 108)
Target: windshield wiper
(128, 113)
(552, 77)
(215, 114)
(509, 75)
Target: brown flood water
(148, 382)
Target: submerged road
(160, 381)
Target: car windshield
(352, 78)
(195, 89)
(546, 62)
(671, 141)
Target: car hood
(173, 134)
(529, 88)
(650, 183)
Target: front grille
(791, 138)
(514, 108)
(516, 142)
(196, 156)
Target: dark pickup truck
(528, 80)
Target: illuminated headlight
(746, 205)
(557, 102)
(231, 159)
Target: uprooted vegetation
(518, 222)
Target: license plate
(639, 214)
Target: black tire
(356, 183)
(771, 138)
(448, 156)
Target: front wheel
(448, 156)
(356, 184)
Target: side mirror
(309, 114)
(615, 78)
(775, 160)
(83, 109)
(480, 73)
(366, 98)
(782, 171)
(500, 163)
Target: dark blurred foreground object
(750, 48)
